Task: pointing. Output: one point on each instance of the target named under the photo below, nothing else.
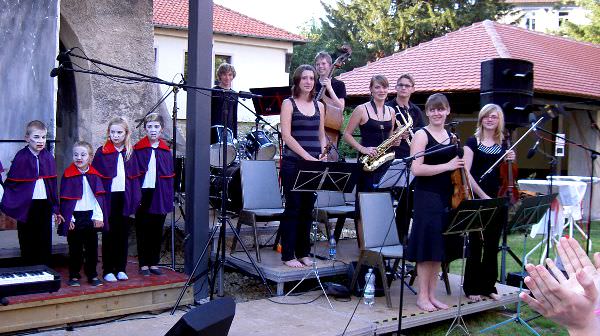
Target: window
(288, 62)
(562, 17)
(220, 59)
(185, 65)
(530, 23)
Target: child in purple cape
(82, 204)
(30, 196)
(156, 161)
(115, 160)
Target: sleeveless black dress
(432, 198)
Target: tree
(378, 28)
(589, 32)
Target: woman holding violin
(432, 196)
(482, 150)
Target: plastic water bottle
(332, 246)
(369, 293)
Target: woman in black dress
(481, 151)
(303, 133)
(375, 121)
(432, 195)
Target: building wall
(258, 63)
(545, 17)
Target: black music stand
(316, 176)
(394, 176)
(470, 216)
(530, 212)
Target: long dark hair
(298, 76)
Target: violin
(508, 173)
(460, 180)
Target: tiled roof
(175, 13)
(517, 2)
(453, 62)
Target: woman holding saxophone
(376, 123)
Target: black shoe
(145, 272)
(73, 282)
(95, 282)
(156, 271)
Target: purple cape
(20, 183)
(71, 190)
(105, 161)
(162, 201)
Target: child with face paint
(115, 160)
(156, 163)
(82, 204)
(30, 196)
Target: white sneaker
(122, 276)
(110, 278)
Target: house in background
(544, 15)
(260, 53)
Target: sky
(287, 14)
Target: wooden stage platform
(77, 304)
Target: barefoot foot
(474, 298)
(438, 304)
(293, 263)
(306, 261)
(426, 305)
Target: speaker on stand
(210, 319)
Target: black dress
(481, 269)
(431, 206)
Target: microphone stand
(593, 155)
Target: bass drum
(259, 146)
(217, 141)
(234, 188)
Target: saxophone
(370, 163)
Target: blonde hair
(154, 117)
(35, 125)
(87, 146)
(121, 121)
(486, 111)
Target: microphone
(63, 56)
(531, 152)
(56, 71)
(532, 118)
(248, 95)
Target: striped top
(305, 130)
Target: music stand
(316, 176)
(394, 176)
(470, 216)
(530, 212)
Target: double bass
(334, 116)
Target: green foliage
(589, 32)
(378, 28)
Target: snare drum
(234, 187)
(217, 136)
(259, 146)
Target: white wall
(546, 17)
(258, 63)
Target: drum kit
(258, 144)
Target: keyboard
(28, 280)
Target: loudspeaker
(210, 319)
(508, 82)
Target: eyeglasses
(406, 86)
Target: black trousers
(481, 269)
(35, 235)
(83, 246)
(297, 216)
(115, 241)
(149, 231)
(404, 214)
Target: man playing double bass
(334, 95)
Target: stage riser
(61, 311)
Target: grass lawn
(477, 322)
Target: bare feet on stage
(293, 263)
(474, 298)
(494, 296)
(438, 304)
(426, 305)
(306, 261)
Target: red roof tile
(453, 62)
(175, 13)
